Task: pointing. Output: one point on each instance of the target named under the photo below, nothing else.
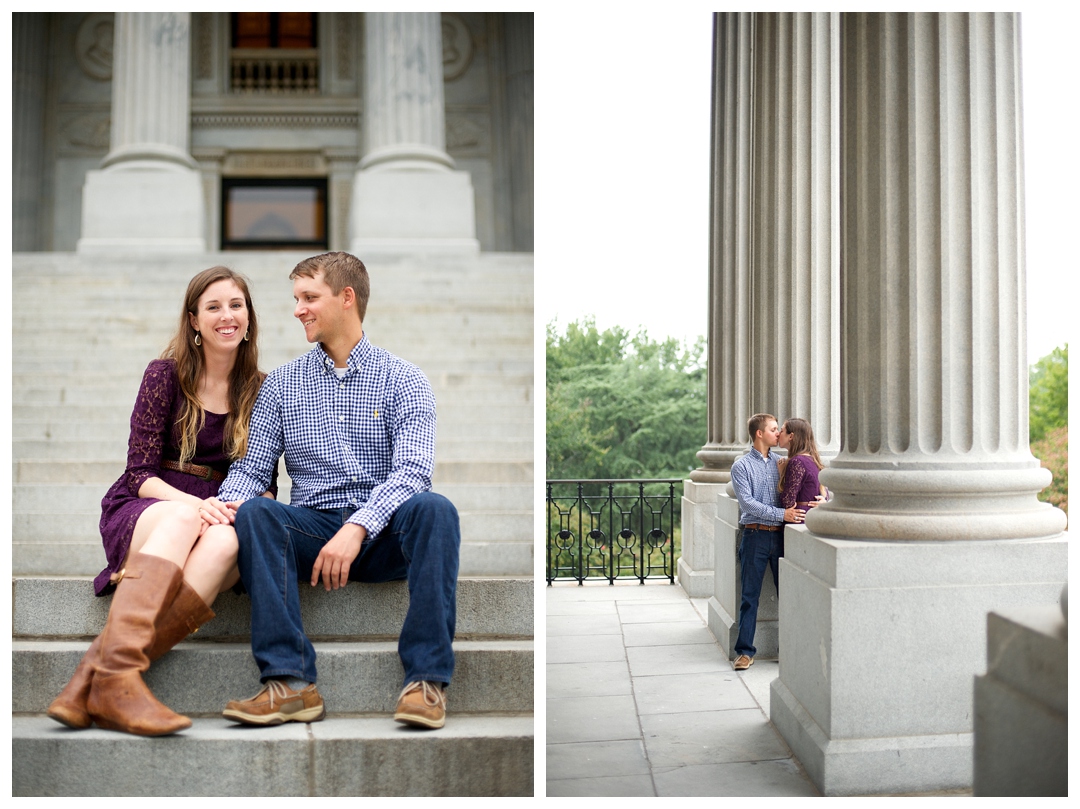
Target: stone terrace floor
(641, 701)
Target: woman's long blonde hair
(802, 443)
(244, 380)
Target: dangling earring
(247, 337)
(198, 339)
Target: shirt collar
(356, 356)
(765, 458)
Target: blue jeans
(278, 548)
(758, 550)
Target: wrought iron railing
(274, 70)
(610, 529)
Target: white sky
(622, 162)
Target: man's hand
(337, 556)
(793, 514)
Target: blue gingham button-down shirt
(365, 441)
(756, 480)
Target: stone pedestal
(698, 517)
(879, 644)
(727, 587)
(148, 193)
(406, 194)
(1022, 705)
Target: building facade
(214, 130)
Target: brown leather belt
(804, 505)
(207, 473)
(753, 526)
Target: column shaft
(29, 44)
(148, 193)
(934, 387)
(404, 110)
(729, 249)
(151, 88)
(406, 193)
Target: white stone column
(781, 349)
(148, 193)
(729, 300)
(935, 521)
(407, 194)
(29, 43)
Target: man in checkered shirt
(756, 481)
(357, 428)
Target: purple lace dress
(154, 438)
(801, 484)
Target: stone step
(459, 427)
(519, 362)
(354, 677)
(356, 756)
(450, 473)
(487, 608)
(450, 449)
(30, 498)
(120, 395)
(484, 381)
(52, 556)
(99, 413)
(33, 527)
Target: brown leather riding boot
(119, 699)
(184, 615)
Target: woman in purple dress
(169, 542)
(799, 485)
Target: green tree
(1048, 422)
(621, 406)
(1048, 392)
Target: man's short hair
(339, 270)
(758, 422)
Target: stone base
(127, 209)
(880, 642)
(1022, 705)
(727, 587)
(698, 516)
(393, 211)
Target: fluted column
(29, 44)
(147, 194)
(404, 111)
(406, 190)
(151, 114)
(518, 28)
(935, 523)
(934, 400)
(729, 249)
(729, 321)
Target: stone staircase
(486, 747)
(84, 330)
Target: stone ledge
(355, 756)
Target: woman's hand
(215, 512)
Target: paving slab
(608, 787)
(710, 737)
(653, 612)
(584, 625)
(684, 659)
(598, 759)
(676, 633)
(591, 719)
(684, 693)
(585, 649)
(600, 679)
(764, 779)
